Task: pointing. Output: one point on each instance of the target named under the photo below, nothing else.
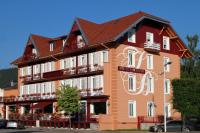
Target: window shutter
(62, 64)
(85, 59)
(96, 59)
(91, 58)
(101, 81)
(101, 58)
(105, 56)
(52, 66)
(89, 83)
(134, 83)
(29, 70)
(152, 84)
(22, 71)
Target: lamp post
(164, 97)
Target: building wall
(116, 86)
(11, 92)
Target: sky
(52, 18)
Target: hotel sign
(129, 69)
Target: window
(131, 58)
(168, 110)
(51, 46)
(105, 56)
(131, 82)
(167, 86)
(149, 61)
(131, 36)
(94, 84)
(34, 51)
(80, 41)
(22, 90)
(83, 83)
(150, 84)
(64, 40)
(73, 62)
(82, 60)
(150, 109)
(97, 108)
(166, 66)
(149, 37)
(132, 109)
(166, 44)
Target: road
(46, 130)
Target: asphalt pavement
(52, 130)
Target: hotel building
(117, 66)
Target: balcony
(31, 97)
(152, 47)
(53, 74)
(26, 78)
(91, 92)
(64, 74)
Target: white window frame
(150, 111)
(151, 39)
(167, 67)
(132, 109)
(150, 84)
(131, 62)
(167, 41)
(150, 61)
(132, 36)
(63, 41)
(51, 46)
(167, 86)
(131, 77)
(34, 51)
(168, 110)
(105, 56)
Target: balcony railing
(91, 92)
(152, 47)
(64, 73)
(53, 74)
(31, 97)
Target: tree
(190, 67)
(186, 93)
(68, 100)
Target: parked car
(16, 124)
(176, 125)
(3, 123)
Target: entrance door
(83, 110)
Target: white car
(15, 124)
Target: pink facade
(117, 66)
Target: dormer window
(34, 51)
(64, 40)
(166, 44)
(149, 37)
(80, 42)
(51, 45)
(131, 36)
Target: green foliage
(186, 96)
(68, 99)
(190, 67)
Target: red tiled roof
(93, 33)
(105, 32)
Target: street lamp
(164, 101)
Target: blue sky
(52, 18)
